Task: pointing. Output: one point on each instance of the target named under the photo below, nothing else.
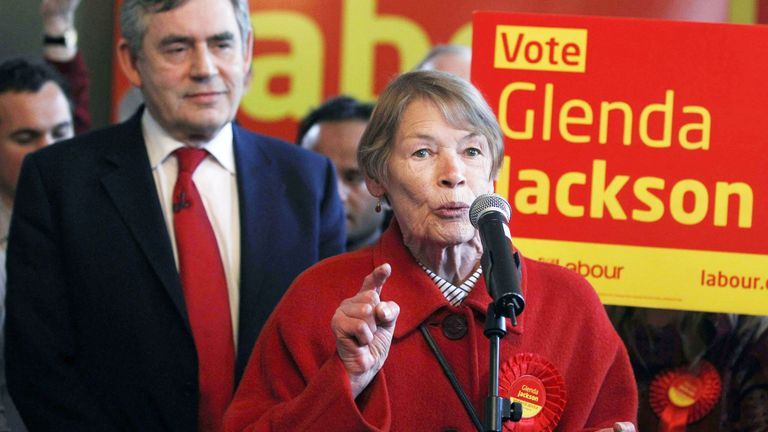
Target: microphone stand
(498, 409)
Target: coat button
(455, 326)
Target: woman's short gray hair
(133, 23)
(461, 104)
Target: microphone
(181, 203)
(490, 214)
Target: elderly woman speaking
(365, 341)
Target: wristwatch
(67, 40)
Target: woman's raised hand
(363, 326)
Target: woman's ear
(375, 188)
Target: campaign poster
(635, 153)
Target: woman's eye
(473, 151)
(421, 153)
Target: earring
(378, 206)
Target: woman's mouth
(453, 210)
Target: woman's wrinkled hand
(363, 326)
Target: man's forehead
(339, 140)
(208, 19)
(338, 132)
(47, 105)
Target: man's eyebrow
(172, 39)
(224, 36)
(188, 40)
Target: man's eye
(174, 50)
(353, 177)
(62, 132)
(25, 138)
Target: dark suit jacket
(97, 332)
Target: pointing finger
(375, 280)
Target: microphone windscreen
(488, 203)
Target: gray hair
(441, 50)
(460, 102)
(133, 14)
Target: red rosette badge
(679, 396)
(534, 382)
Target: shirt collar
(454, 294)
(5, 222)
(411, 288)
(160, 145)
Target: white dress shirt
(216, 181)
(5, 223)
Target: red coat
(295, 381)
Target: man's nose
(343, 189)
(45, 140)
(203, 64)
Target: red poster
(636, 152)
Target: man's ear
(128, 62)
(375, 187)
(248, 59)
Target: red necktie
(205, 293)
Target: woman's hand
(363, 326)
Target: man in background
(334, 129)
(144, 258)
(60, 50)
(34, 112)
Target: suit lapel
(258, 185)
(132, 189)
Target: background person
(60, 50)
(334, 129)
(137, 282)
(34, 112)
(38, 107)
(451, 58)
(432, 147)
(668, 345)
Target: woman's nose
(451, 170)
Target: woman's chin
(454, 235)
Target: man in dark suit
(35, 111)
(137, 282)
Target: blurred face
(29, 121)
(435, 172)
(191, 69)
(457, 64)
(339, 140)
